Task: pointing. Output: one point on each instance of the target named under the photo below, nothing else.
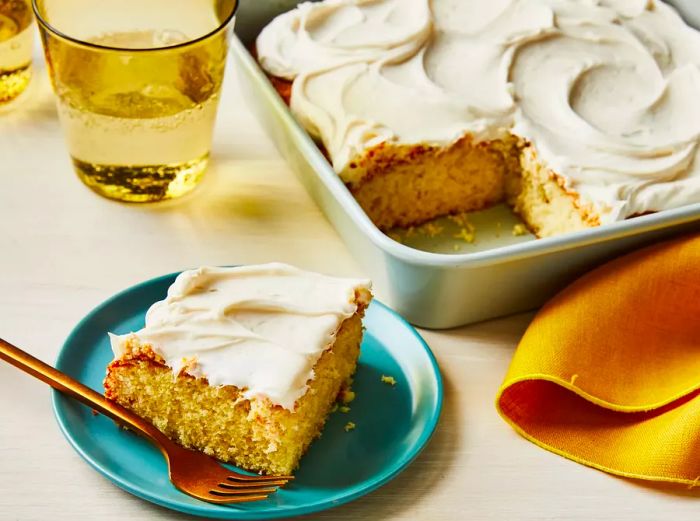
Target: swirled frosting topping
(606, 91)
(259, 328)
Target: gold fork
(191, 472)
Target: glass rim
(50, 28)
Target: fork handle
(64, 383)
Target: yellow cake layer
(402, 185)
(253, 434)
(406, 185)
(541, 198)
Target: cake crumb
(519, 229)
(467, 233)
(431, 229)
(344, 409)
(346, 396)
(349, 426)
(334, 407)
(460, 219)
(389, 380)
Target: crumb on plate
(390, 380)
(346, 396)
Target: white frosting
(259, 328)
(607, 91)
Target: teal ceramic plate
(393, 423)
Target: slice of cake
(575, 113)
(243, 363)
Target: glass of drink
(137, 85)
(16, 38)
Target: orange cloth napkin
(608, 373)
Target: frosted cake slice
(243, 363)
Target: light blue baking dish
(434, 281)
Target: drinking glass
(16, 38)
(137, 85)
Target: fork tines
(241, 488)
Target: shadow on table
(670, 489)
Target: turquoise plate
(393, 423)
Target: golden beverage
(16, 39)
(139, 138)
(138, 106)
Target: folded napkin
(608, 373)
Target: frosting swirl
(607, 91)
(260, 328)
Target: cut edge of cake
(403, 185)
(407, 185)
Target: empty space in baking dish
(469, 232)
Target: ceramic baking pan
(432, 276)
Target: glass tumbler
(16, 42)
(137, 85)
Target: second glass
(16, 39)
(138, 84)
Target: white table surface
(63, 250)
